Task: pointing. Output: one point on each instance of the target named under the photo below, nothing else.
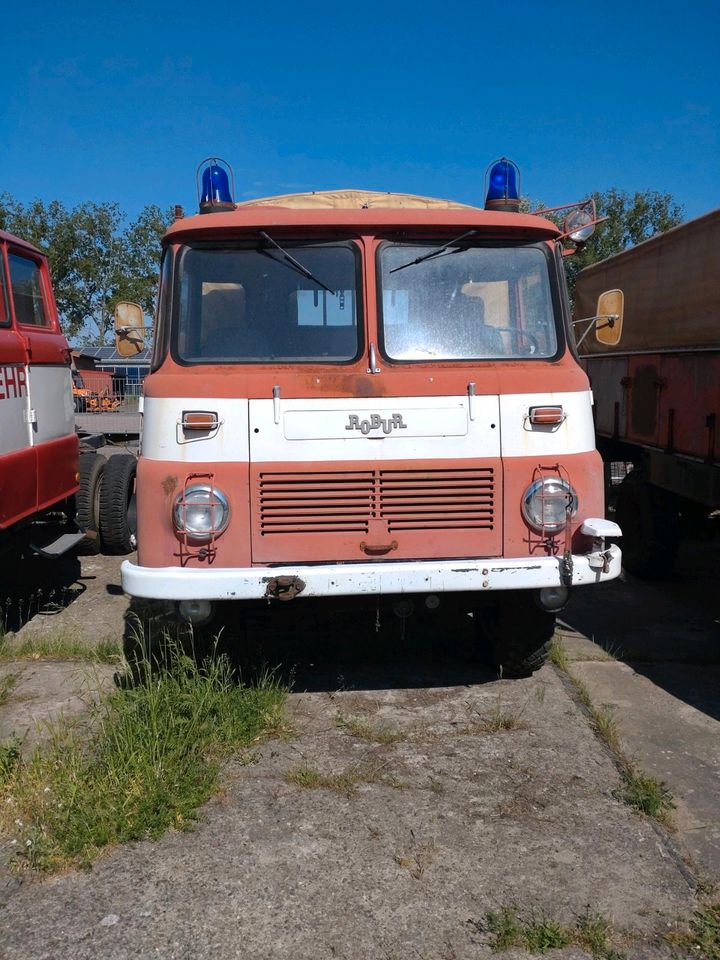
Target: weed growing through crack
(6, 684)
(604, 725)
(702, 940)
(417, 860)
(543, 935)
(312, 779)
(498, 721)
(643, 793)
(508, 929)
(505, 927)
(344, 782)
(365, 731)
(558, 654)
(149, 756)
(646, 794)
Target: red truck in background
(657, 393)
(54, 488)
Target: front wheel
(520, 634)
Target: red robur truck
(657, 393)
(362, 397)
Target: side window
(27, 293)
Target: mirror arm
(125, 332)
(592, 322)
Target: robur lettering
(376, 422)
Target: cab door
(50, 413)
(18, 473)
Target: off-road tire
(521, 634)
(648, 519)
(87, 503)
(117, 507)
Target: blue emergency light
(502, 180)
(215, 193)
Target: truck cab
(358, 394)
(38, 443)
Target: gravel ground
(448, 818)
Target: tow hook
(566, 569)
(599, 559)
(284, 588)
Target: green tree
(632, 218)
(96, 258)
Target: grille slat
(335, 502)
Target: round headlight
(547, 503)
(201, 512)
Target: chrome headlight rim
(179, 513)
(535, 519)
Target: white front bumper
(379, 577)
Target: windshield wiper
(435, 253)
(296, 263)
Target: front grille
(437, 499)
(326, 502)
(316, 502)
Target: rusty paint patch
(169, 485)
(345, 384)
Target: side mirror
(129, 328)
(610, 309)
(579, 224)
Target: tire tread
(114, 498)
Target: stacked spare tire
(106, 504)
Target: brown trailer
(657, 393)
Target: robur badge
(376, 422)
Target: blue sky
(120, 101)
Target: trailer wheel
(649, 524)
(87, 503)
(118, 524)
(520, 634)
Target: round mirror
(579, 225)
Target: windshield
(253, 305)
(466, 303)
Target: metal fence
(107, 402)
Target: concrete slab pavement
(444, 824)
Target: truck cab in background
(367, 396)
(38, 444)
(56, 492)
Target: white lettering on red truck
(13, 382)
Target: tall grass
(65, 645)
(150, 759)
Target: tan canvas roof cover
(672, 290)
(355, 200)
